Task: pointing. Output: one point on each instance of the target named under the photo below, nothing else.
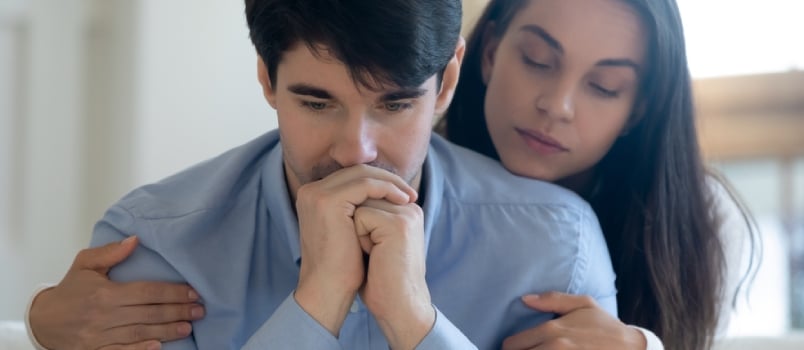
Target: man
(396, 239)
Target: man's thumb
(102, 258)
(557, 303)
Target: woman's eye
(528, 61)
(605, 92)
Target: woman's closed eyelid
(608, 92)
(535, 63)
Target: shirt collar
(278, 202)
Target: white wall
(45, 193)
(8, 60)
(120, 92)
(8, 41)
(198, 89)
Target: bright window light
(738, 37)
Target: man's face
(328, 122)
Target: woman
(595, 95)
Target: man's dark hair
(381, 42)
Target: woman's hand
(581, 324)
(88, 311)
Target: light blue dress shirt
(226, 226)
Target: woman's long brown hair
(651, 192)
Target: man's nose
(355, 144)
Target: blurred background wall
(99, 96)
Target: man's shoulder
(470, 177)
(209, 185)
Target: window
(753, 133)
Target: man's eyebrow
(620, 62)
(403, 94)
(309, 90)
(549, 39)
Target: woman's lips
(540, 142)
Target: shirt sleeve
(654, 343)
(144, 264)
(290, 327)
(39, 289)
(444, 335)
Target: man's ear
(489, 46)
(449, 80)
(265, 81)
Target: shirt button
(355, 307)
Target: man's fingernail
(128, 240)
(192, 295)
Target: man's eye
(318, 106)
(315, 106)
(396, 106)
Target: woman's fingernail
(184, 329)
(197, 312)
(530, 297)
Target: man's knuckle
(365, 182)
(550, 327)
(413, 212)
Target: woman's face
(561, 84)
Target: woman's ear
(265, 82)
(489, 45)
(449, 80)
